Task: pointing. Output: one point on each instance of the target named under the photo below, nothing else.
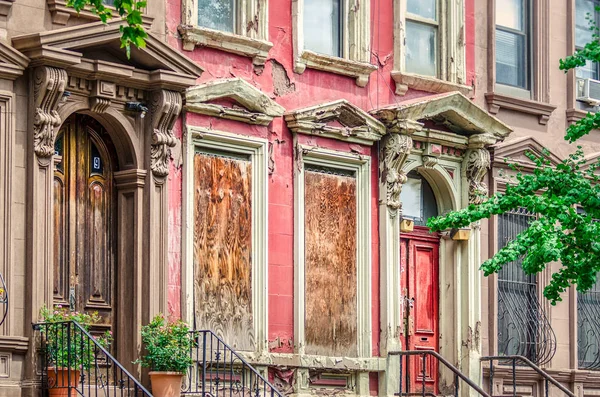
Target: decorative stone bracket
(48, 89)
(477, 164)
(165, 107)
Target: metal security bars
(507, 365)
(420, 370)
(219, 371)
(523, 327)
(74, 361)
(588, 327)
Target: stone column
(47, 86)
(395, 148)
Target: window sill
(61, 13)
(253, 48)
(405, 80)
(497, 101)
(346, 67)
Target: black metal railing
(76, 362)
(422, 370)
(588, 327)
(219, 371)
(508, 366)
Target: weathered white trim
(256, 148)
(259, 108)
(357, 125)
(361, 166)
(250, 37)
(451, 52)
(356, 54)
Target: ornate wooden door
(419, 260)
(84, 206)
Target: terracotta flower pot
(166, 384)
(62, 382)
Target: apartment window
(523, 327)
(217, 14)
(513, 43)
(422, 37)
(584, 11)
(323, 26)
(418, 200)
(334, 36)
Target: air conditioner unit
(588, 91)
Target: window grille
(588, 327)
(523, 328)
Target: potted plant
(168, 346)
(66, 355)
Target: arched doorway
(84, 224)
(419, 278)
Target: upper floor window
(217, 14)
(513, 43)
(323, 26)
(422, 41)
(584, 11)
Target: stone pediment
(12, 62)
(93, 51)
(513, 152)
(220, 98)
(339, 120)
(451, 110)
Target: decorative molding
(5, 6)
(513, 152)
(574, 115)
(339, 120)
(18, 344)
(49, 86)
(405, 80)
(498, 101)
(452, 110)
(430, 161)
(99, 105)
(12, 62)
(61, 13)
(256, 49)
(395, 150)
(164, 107)
(259, 108)
(360, 70)
(356, 51)
(477, 164)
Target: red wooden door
(419, 260)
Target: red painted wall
(310, 88)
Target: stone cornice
(352, 124)
(498, 101)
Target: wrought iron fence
(74, 362)
(523, 327)
(422, 370)
(219, 371)
(507, 366)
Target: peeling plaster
(282, 84)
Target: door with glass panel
(84, 233)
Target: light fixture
(66, 95)
(137, 107)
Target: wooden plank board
(330, 245)
(223, 247)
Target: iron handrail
(529, 363)
(222, 351)
(447, 364)
(87, 338)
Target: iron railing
(523, 327)
(421, 371)
(511, 364)
(73, 360)
(219, 371)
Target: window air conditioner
(588, 90)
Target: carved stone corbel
(395, 151)
(48, 88)
(165, 107)
(478, 162)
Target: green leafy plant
(66, 344)
(128, 10)
(168, 345)
(559, 232)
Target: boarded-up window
(223, 246)
(330, 264)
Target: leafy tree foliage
(128, 10)
(559, 233)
